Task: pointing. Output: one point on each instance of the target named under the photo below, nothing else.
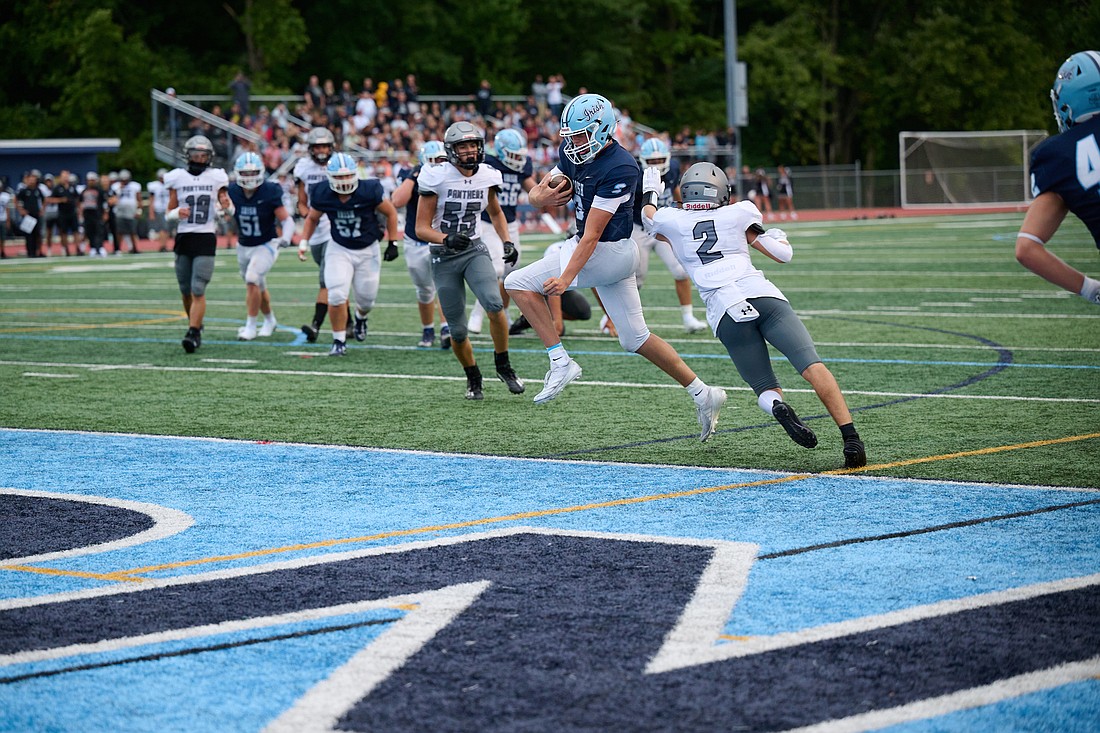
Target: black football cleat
(508, 376)
(518, 326)
(795, 428)
(473, 389)
(192, 340)
(855, 454)
(311, 330)
(359, 330)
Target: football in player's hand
(559, 183)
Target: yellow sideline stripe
(125, 575)
(70, 573)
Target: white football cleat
(555, 381)
(268, 327)
(707, 412)
(246, 333)
(694, 325)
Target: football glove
(651, 181)
(511, 254)
(457, 242)
(391, 252)
(777, 234)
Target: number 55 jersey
(461, 198)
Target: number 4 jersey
(1069, 165)
(461, 198)
(200, 194)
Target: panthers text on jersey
(414, 201)
(1068, 164)
(612, 174)
(461, 198)
(256, 213)
(355, 221)
(200, 193)
(671, 179)
(511, 186)
(309, 172)
(712, 247)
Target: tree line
(830, 81)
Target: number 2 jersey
(256, 213)
(712, 247)
(1068, 164)
(200, 193)
(355, 221)
(461, 198)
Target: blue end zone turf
(301, 559)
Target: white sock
(766, 398)
(269, 317)
(340, 336)
(698, 390)
(250, 322)
(558, 355)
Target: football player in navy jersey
(352, 262)
(1065, 176)
(603, 177)
(518, 174)
(259, 205)
(418, 258)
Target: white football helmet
(343, 174)
(250, 171)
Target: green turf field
(942, 342)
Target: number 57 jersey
(461, 198)
(200, 194)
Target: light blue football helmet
(432, 153)
(587, 127)
(1076, 91)
(343, 174)
(510, 146)
(655, 153)
(249, 170)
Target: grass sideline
(943, 344)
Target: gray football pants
(452, 272)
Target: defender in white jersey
(157, 221)
(711, 239)
(452, 197)
(196, 197)
(307, 172)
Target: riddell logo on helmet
(696, 205)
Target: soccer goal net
(966, 169)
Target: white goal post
(966, 169)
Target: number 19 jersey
(200, 193)
(461, 198)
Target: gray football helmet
(704, 186)
(198, 151)
(320, 136)
(461, 132)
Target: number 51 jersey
(200, 193)
(461, 198)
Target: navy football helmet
(1076, 91)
